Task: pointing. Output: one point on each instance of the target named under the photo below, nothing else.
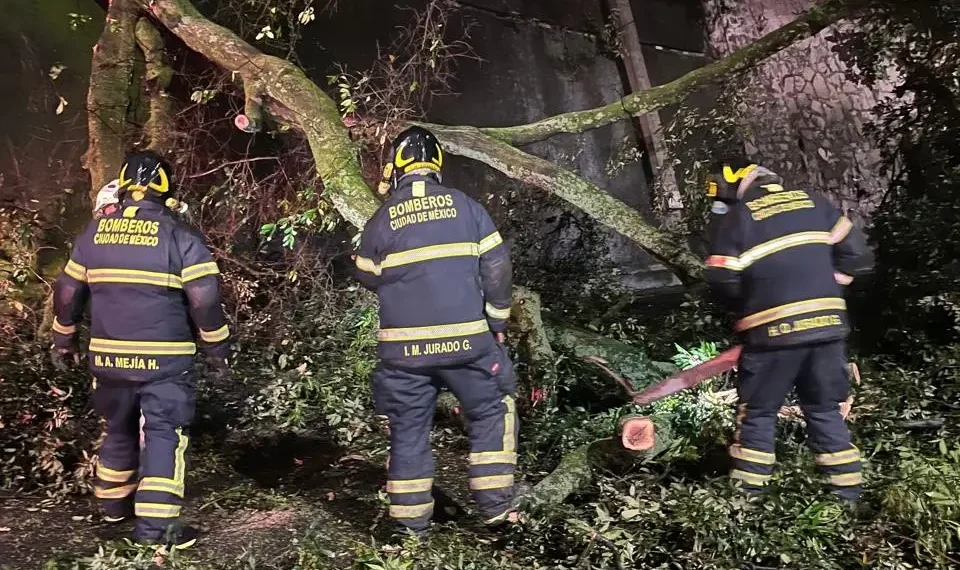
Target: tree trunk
(158, 131)
(108, 98)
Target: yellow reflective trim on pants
(411, 511)
(846, 479)
(433, 332)
(410, 486)
(491, 482)
(367, 265)
(844, 457)
(179, 460)
(75, 270)
(158, 348)
(110, 275)
(493, 458)
(460, 249)
(218, 335)
(497, 313)
(161, 485)
(751, 478)
(63, 329)
(114, 493)
(490, 242)
(199, 270)
(157, 510)
(790, 310)
(737, 451)
(112, 475)
(509, 425)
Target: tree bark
(158, 132)
(672, 250)
(108, 98)
(816, 19)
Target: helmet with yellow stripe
(724, 177)
(415, 151)
(145, 173)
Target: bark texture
(108, 98)
(158, 132)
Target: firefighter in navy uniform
(779, 259)
(153, 288)
(443, 277)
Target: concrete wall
(802, 115)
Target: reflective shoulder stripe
(724, 262)
(134, 276)
(199, 270)
(218, 335)
(790, 310)
(490, 242)
(75, 270)
(840, 230)
(497, 313)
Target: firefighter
(779, 259)
(150, 280)
(108, 199)
(443, 277)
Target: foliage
(916, 229)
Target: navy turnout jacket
(442, 274)
(780, 258)
(154, 295)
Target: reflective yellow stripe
(490, 242)
(134, 276)
(75, 270)
(840, 229)
(113, 476)
(751, 478)
(218, 335)
(63, 329)
(752, 455)
(497, 313)
(410, 486)
(789, 310)
(839, 458)
(366, 264)
(162, 485)
(460, 249)
(493, 458)
(199, 270)
(750, 256)
(724, 262)
(433, 332)
(115, 493)
(142, 347)
(491, 482)
(509, 424)
(846, 479)
(157, 510)
(179, 461)
(411, 511)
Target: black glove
(59, 356)
(218, 370)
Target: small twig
(923, 424)
(232, 162)
(620, 380)
(609, 544)
(582, 559)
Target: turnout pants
(486, 389)
(148, 484)
(821, 377)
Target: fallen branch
(534, 344)
(157, 130)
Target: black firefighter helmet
(414, 149)
(146, 173)
(724, 177)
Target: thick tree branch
(157, 132)
(108, 98)
(816, 19)
(470, 142)
(287, 94)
